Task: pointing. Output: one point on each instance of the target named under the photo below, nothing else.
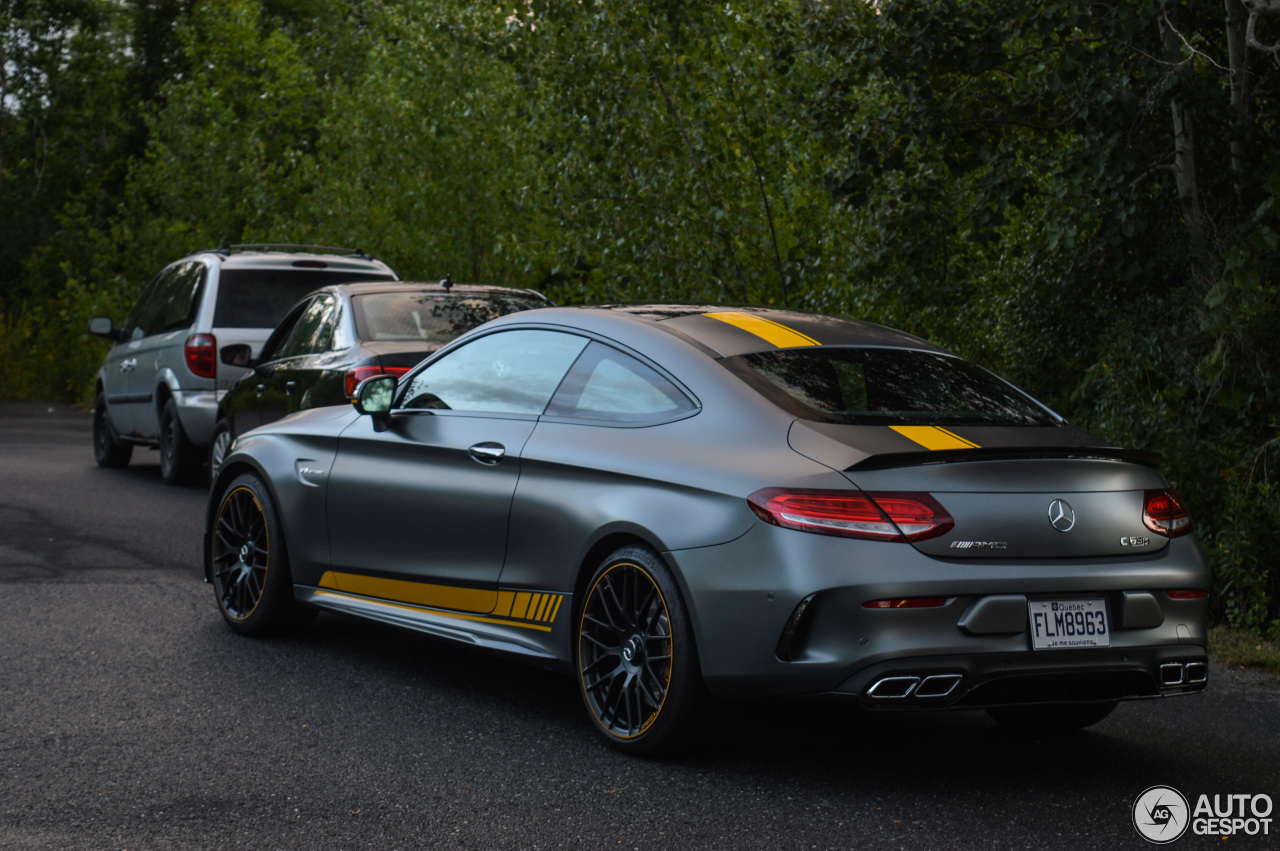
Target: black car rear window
(259, 298)
(434, 317)
(875, 386)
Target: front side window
(609, 386)
(512, 372)
(870, 386)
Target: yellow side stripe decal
(766, 329)
(513, 605)
(934, 437)
(458, 615)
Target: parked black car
(339, 335)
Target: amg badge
(979, 545)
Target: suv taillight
(199, 352)
(361, 373)
(899, 517)
(1164, 513)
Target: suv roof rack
(289, 246)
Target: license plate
(1068, 624)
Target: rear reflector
(907, 603)
(897, 517)
(1165, 514)
(199, 354)
(361, 373)
(1188, 594)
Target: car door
(276, 378)
(418, 513)
(161, 332)
(121, 364)
(299, 365)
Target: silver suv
(160, 383)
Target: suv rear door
(162, 327)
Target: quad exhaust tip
(1183, 673)
(899, 687)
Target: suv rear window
(412, 317)
(871, 386)
(259, 298)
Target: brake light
(199, 353)
(1165, 514)
(895, 517)
(362, 373)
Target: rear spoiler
(1010, 453)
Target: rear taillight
(854, 514)
(1188, 594)
(199, 352)
(361, 373)
(1164, 513)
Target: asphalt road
(132, 718)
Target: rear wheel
(251, 577)
(1052, 717)
(179, 461)
(108, 450)
(637, 664)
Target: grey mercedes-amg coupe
(679, 504)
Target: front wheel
(108, 451)
(219, 446)
(1052, 717)
(251, 577)
(637, 663)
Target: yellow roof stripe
(934, 437)
(766, 329)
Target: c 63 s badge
(1135, 541)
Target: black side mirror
(236, 354)
(101, 326)
(373, 397)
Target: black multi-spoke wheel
(250, 571)
(108, 451)
(637, 666)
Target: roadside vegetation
(1081, 197)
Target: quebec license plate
(1068, 624)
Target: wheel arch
(229, 472)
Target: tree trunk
(1241, 98)
(1184, 158)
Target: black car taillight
(898, 517)
(199, 353)
(1164, 513)
(361, 373)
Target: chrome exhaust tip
(893, 688)
(938, 685)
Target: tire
(637, 663)
(108, 450)
(218, 446)
(179, 460)
(251, 578)
(1052, 717)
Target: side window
(507, 372)
(133, 323)
(314, 330)
(169, 303)
(272, 348)
(609, 386)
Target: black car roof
(730, 331)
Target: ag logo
(1160, 814)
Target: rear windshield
(259, 298)
(869, 386)
(437, 317)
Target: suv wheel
(219, 446)
(107, 450)
(179, 460)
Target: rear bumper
(756, 638)
(197, 411)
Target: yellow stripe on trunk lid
(934, 437)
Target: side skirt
(478, 630)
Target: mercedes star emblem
(1062, 515)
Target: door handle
(289, 387)
(261, 387)
(487, 453)
(128, 364)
